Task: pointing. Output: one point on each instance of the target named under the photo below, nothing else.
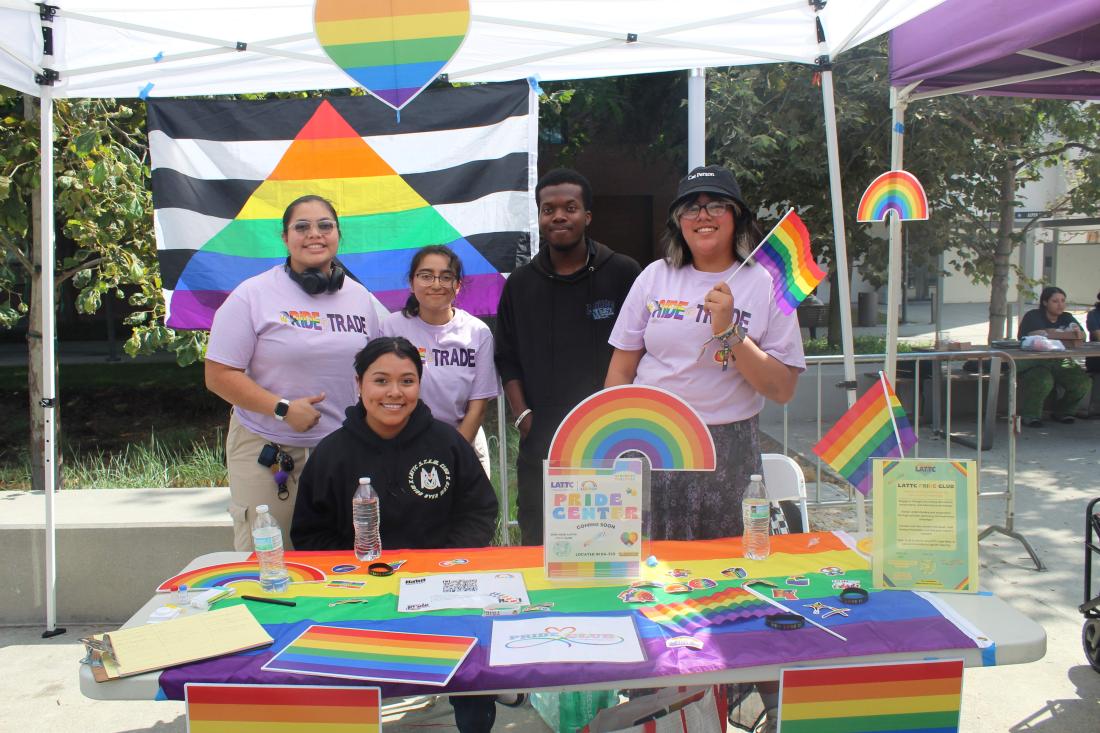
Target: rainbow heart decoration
(392, 48)
(894, 192)
(629, 538)
(632, 417)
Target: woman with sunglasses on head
(457, 348)
(432, 492)
(701, 297)
(279, 351)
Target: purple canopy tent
(987, 47)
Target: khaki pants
(251, 484)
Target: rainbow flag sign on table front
(785, 253)
(868, 698)
(215, 708)
(876, 426)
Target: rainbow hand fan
(894, 192)
(234, 572)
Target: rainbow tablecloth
(892, 621)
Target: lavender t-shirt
(664, 315)
(295, 345)
(458, 361)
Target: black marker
(276, 601)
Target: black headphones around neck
(315, 282)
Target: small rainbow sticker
(234, 572)
(631, 417)
(896, 192)
(392, 48)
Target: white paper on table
(460, 590)
(565, 639)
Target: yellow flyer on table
(926, 524)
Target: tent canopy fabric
(130, 48)
(970, 45)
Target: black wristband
(854, 596)
(785, 621)
(380, 569)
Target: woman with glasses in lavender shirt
(281, 351)
(456, 347)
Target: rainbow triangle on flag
(876, 426)
(785, 253)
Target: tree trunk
(39, 302)
(998, 291)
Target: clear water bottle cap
(364, 480)
(756, 477)
(261, 509)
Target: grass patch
(861, 344)
(153, 463)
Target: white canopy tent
(138, 48)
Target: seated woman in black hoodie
(431, 487)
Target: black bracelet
(854, 596)
(380, 569)
(785, 621)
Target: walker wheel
(1090, 640)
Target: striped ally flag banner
(457, 170)
(218, 708)
(785, 253)
(872, 698)
(370, 654)
(876, 426)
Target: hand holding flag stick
(785, 253)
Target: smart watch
(281, 409)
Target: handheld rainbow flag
(785, 253)
(731, 604)
(874, 427)
(319, 709)
(908, 696)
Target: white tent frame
(860, 23)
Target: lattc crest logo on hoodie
(429, 479)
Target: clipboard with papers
(182, 640)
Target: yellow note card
(186, 639)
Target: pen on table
(276, 601)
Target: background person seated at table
(1036, 378)
(1092, 364)
(431, 487)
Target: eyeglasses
(324, 226)
(428, 278)
(714, 209)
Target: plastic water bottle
(364, 515)
(267, 538)
(756, 513)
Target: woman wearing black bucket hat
(700, 294)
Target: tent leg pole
(502, 472)
(894, 282)
(697, 118)
(49, 380)
(841, 252)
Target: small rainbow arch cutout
(234, 572)
(631, 417)
(894, 192)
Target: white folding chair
(784, 481)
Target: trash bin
(868, 309)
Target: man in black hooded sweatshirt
(553, 322)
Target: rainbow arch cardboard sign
(651, 421)
(894, 192)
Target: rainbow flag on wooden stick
(876, 426)
(912, 696)
(785, 253)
